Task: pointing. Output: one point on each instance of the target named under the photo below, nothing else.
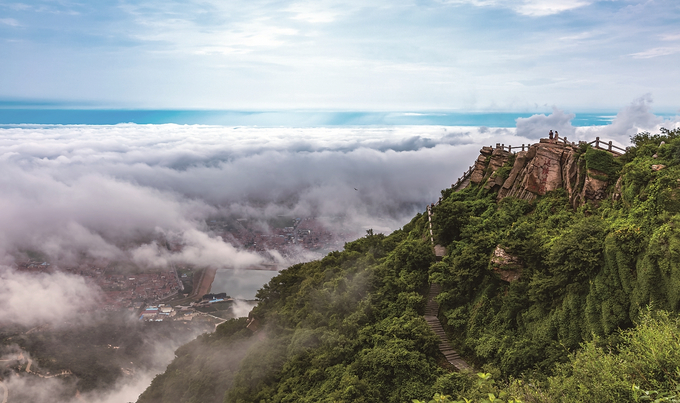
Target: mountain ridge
(595, 239)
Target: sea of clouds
(111, 192)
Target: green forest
(593, 316)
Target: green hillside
(588, 315)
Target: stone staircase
(431, 312)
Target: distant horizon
(16, 116)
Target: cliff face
(545, 166)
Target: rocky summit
(543, 167)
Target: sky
(406, 55)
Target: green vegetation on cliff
(349, 327)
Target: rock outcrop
(508, 267)
(546, 166)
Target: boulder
(594, 188)
(477, 175)
(508, 267)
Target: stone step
(431, 311)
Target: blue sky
(455, 55)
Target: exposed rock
(520, 160)
(593, 187)
(658, 167)
(539, 170)
(545, 166)
(506, 265)
(510, 275)
(477, 175)
(498, 158)
(571, 173)
(486, 151)
(488, 162)
(545, 171)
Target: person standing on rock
(557, 136)
(550, 135)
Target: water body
(242, 284)
(42, 116)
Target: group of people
(557, 136)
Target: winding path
(432, 311)
(432, 320)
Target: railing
(610, 147)
(597, 143)
(510, 148)
(565, 141)
(466, 174)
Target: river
(241, 284)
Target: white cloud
(657, 52)
(30, 299)
(670, 37)
(199, 249)
(9, 21)
(58, 389)
(313, 12)
(532, 8)
(632, 119)
(538, 126)
(540, 8)
(241, 308)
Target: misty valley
(130, 318)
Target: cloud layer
(120, 193)
(91, 188)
